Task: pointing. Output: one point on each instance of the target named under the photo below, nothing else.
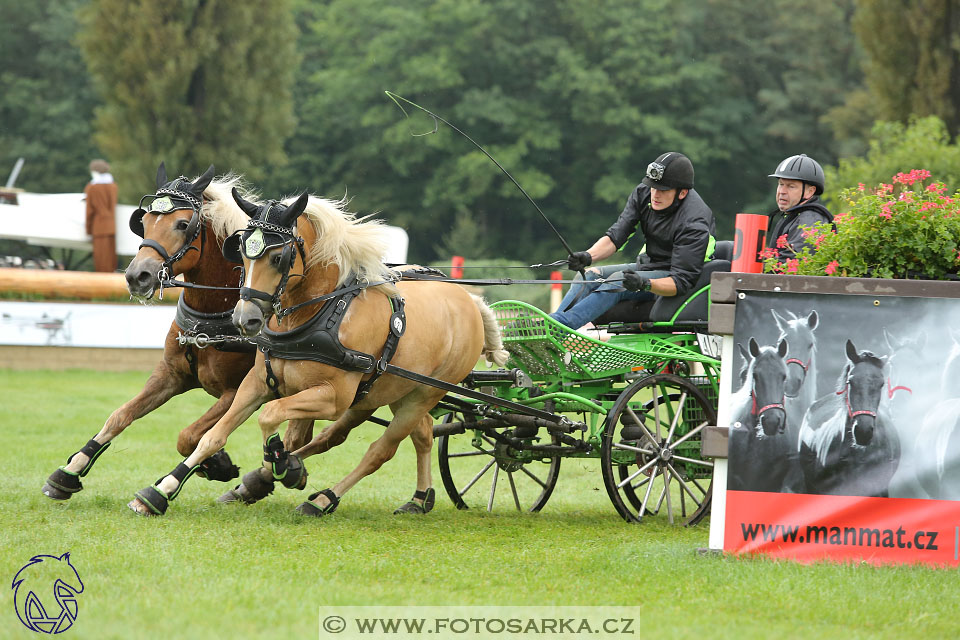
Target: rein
(893, 390)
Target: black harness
(318, 340)
(203, 330)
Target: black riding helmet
(670, 170)
(803, 168)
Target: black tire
(649, 459)
(471, 467)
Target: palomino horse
(182, 228)
(937, 445)
(758, 446)
(846, 448)
(338, 321)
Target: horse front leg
(164, 383)
(153, 500)
(219, 466)
(259, 483)
(319, 402)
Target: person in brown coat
(101, 196)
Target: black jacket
(788, 222)
(676, 239)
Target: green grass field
(211, 571)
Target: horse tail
(493, 349)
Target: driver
(678, 228)
(799, 185)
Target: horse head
(169, 223)
(862, 387)
(768, 373)
(268, 249)
(798, 332)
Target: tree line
(572, 97)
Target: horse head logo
(36, 608)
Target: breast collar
(210, 329)
(318, 340)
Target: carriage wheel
(477, 471)
(650, 454)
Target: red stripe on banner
(808, 528)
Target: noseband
(851, 414)
(803, 365)
(758, 412)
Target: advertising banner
(844, 439)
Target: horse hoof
(310, 509)
(231, 496)
(140, 508)
(54, 493)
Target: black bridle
(194, 229)
(292, 245)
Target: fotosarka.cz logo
(45, 593)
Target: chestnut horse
(182, 228)
(320, 270)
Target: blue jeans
(601, 296)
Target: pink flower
(937, 187)
(782, 242)
(832, 267)
(860, 186)
(792, 265)
(884, 188)
(885, 213)
(926, 206)
(767, 253)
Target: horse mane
(219, 207)
(355, 245)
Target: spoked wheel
(478, 471)
(650, 454)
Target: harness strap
(470, 393)
(398, 324)
(192, 360)
(272, 382)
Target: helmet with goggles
(670, 170)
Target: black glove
(579, 260)
(633, 281)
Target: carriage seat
(663, 308)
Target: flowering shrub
(907, 229)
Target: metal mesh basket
(544, 348)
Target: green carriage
(639, 402)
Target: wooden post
(77, 285)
